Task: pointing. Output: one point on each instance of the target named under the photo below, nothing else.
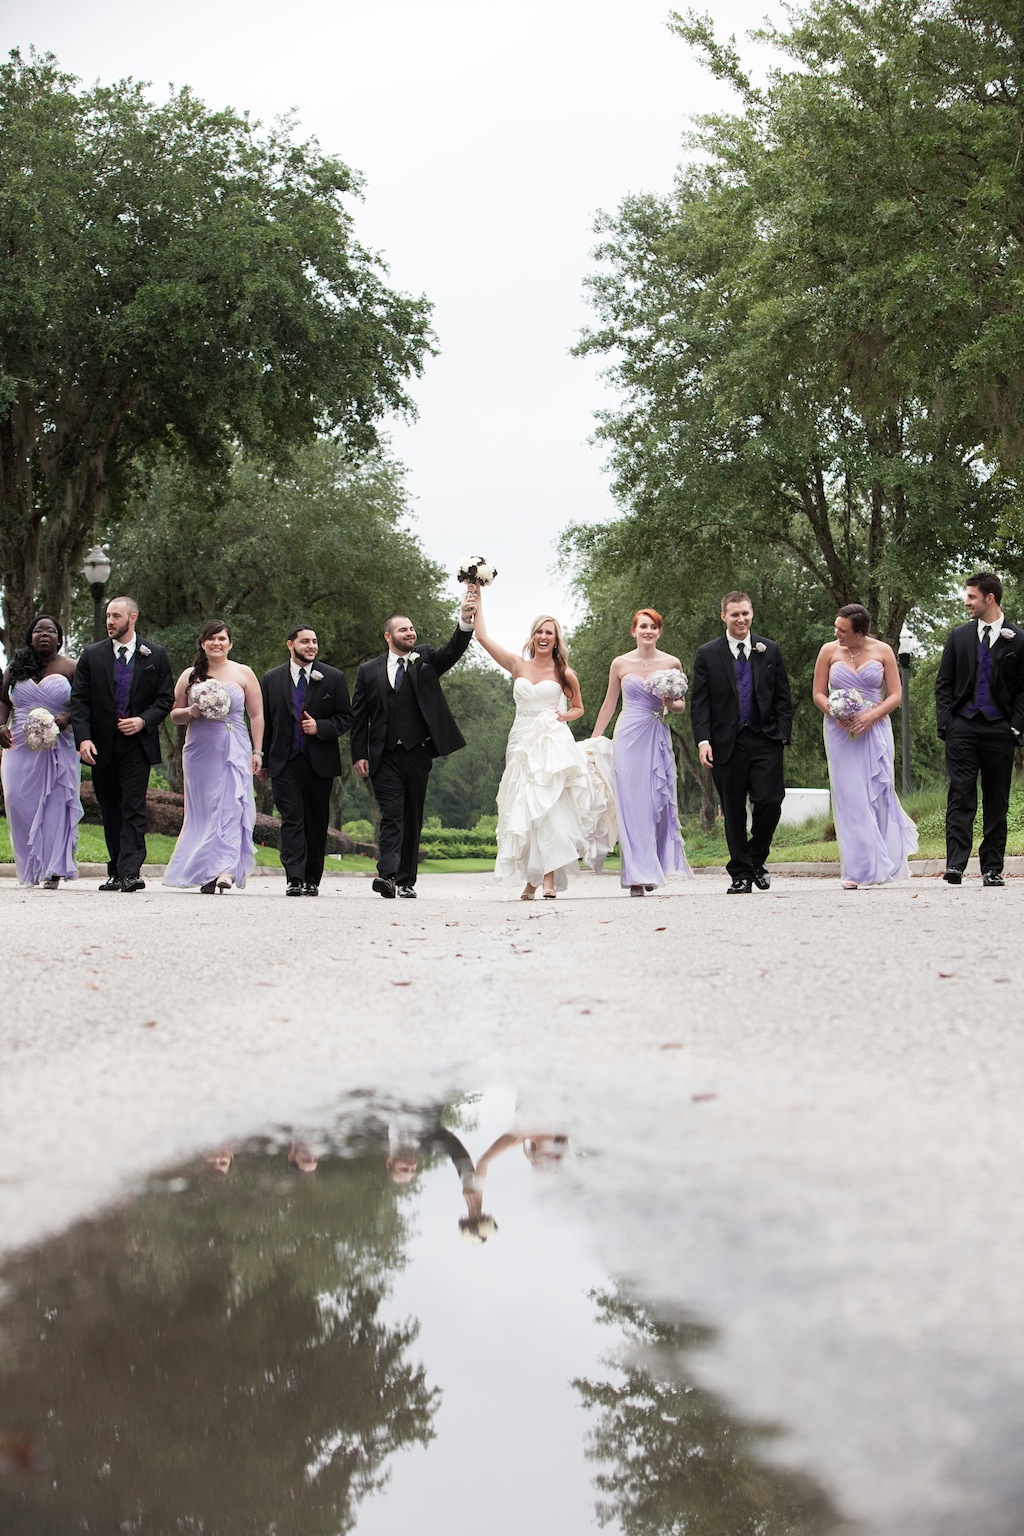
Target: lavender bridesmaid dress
(645, 787)
(41, 788)
(220, 810)
(875, 833)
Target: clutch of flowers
(845, 703)
(668, 683)
(211, 699)
(477, 570)
(41, 731)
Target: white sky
(489, 137)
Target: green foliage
(359, 831)
(463, 787)
(323, 541)
(172, 277)
(810, 334)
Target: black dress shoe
(112, 883)
(762, 879)
(311, 889)
(742, 887)
(407, 890)
(385, 886)
(953, 876)
(992, 877)
(209, 889)
(295, 888)
(133, 883)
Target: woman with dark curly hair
(40, 764)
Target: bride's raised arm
(507, 659)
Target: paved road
(804, 1108)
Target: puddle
(394, 1323)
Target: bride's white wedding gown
(544, 798)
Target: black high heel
(209, 889)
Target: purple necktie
(122, 681)
(400, 673)
(299, 704)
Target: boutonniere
(760, 646)
(316, 677)
(413, 656)
(144, 650)
(1007, 634)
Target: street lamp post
(905, 657)
(96, 570)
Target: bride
(544, 792)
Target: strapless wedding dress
(544, 798)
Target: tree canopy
(173, 277)
(811, 333)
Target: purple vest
(983, 702)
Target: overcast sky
(489, 137)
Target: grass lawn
(813, 842)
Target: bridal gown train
(544, 798)
(875, 833)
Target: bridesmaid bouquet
(667, 684)
(845, 704)
(477, 570)
(41, 731)
(212, 699)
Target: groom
(742, 717)
(400, 723)
(979, 710)
(122, 690)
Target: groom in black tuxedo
(742, 716)
(306, 711)
(400, 723)
(979, 710)
(122, 690)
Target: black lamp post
(905, 657)
(96, 570)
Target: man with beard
(123, 688)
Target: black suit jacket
(958, 674)
(94, 699)
(327, 702)
(715, 695)
(370, 701)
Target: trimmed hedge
(165, 812)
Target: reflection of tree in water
(674, 1461)
(212, 1359)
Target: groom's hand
(705, 754)
(362, 767)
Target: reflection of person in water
(406, 1147)
(217, 1165)
(302, 1158)
(543, 1149)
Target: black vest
(406, 725)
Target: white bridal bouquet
(476, 569)
(212, 699)
(41, 731)
(667, 684)
(845, 704)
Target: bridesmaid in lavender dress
(645, 769)
(40, 788)
(215, 848)
(875, 833)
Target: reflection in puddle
(289, 1336)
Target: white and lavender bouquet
(211, 699)
(668, 685)
(845, 704)
(477, 570)
(41, 731)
